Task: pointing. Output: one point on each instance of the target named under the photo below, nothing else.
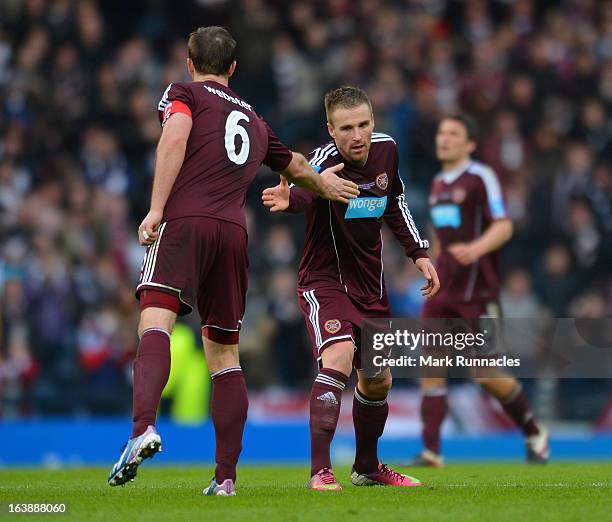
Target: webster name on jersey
(227, 97)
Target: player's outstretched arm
(494, 237)
(327, 184)
(168, 162)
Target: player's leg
(152, 364)
(326, 311)
(509, 392)
(164, 291)
(151, 372)
(325, 403)
(370, 411)
(229, 406)
(221, 302)
(434, 401)
(434, 407)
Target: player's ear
(191, 67)
(330, 129)
(231, 69)
(471, 146)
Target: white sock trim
(513, 394)
(368, 402)
(226, 370)
(155, 330)
(330, 381)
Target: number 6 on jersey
(233, 127)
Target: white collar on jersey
(451, 175)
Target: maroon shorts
(438, 309)
(203, 260)
(332, 316)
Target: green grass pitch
(500, 492)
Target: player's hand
(432, 286)
(335, 188)
(463, 253)
(277, 198)
(147, 231)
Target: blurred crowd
(79, 85)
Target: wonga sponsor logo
(366, 208)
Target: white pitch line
(517, 485)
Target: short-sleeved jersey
(227, 144)
(463, 203)
(344, 242)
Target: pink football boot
(324, 480)
(384, 476)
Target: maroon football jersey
(344, 242)
(227, 144)
(463, 203)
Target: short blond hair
(346, 97)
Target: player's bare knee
(220, 356)
(153, 317)
(339, 357)
(492, 379)
(376, 388)
(430, 383)
(500, 387)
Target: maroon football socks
(369, 418)
(151, 371)
(325, 400)
(433, 410)
(517, 408)
(229, 413)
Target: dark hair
(470, 124)
(212, 50)
(346, 97)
